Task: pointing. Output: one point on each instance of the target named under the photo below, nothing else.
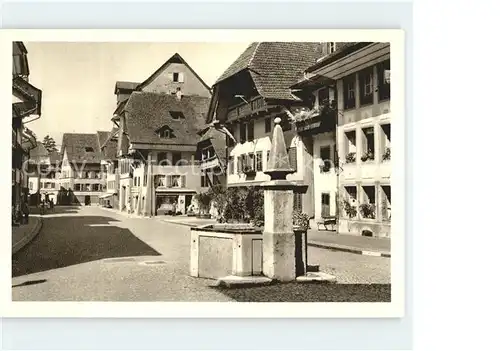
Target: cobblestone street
(90, 254)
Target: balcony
(255, 105)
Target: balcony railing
(244, 109)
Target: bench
(325, 221)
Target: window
(250, 130)
(258, 161)
(325, 155)
(162, 159)
(177, 114)
(175, 181)
(166, 133)
(31, 186)
(230, 165)
(350, 201)
(324, 96)
(268, 125)
(384, 85)
(367, 208)
(386, 202)
(331, 47)
(135, 181)
(96, 187)
(144, 180)
(268, 155)
(175, 76)
(176, 158)
(292, 156)
(385, 142)
(350, 143)
(204, 180)
(243, 132)
(297, 202)
(88, 187)
(349, 92)
(78, 187)
(368, 139)
(285, 124)
(366, 85)
(89, 149)
(325, 205)
(250, 162)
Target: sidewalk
(23, 234)
(363, 245)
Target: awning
(104, 196)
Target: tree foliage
(49, 143)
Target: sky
(78, 79)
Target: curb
(28, 238)
(350, 249)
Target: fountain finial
(279, 164)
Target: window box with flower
(368, 156)
(350, 157)
(367, 210)
(387, 154)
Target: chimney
(178, 94)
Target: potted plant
(387, 154)
(350, 157)
(249, 171)
(368, 155)
(324, 166)
(350, 210)
(367, 210)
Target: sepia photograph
(207, 170)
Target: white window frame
(368, 85)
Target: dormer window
(331, 47)
(176, 114)
(89, 149)
(166, 132)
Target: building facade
(81, 180)
(158, 125)
(247, 98)
(358, 76)
(43, 172)
(26, 107)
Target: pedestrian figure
(128, 207)
(42, 207)
(26, 211)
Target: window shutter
(171, 77)
(183, 181)
(181, 77)
(292, 155)
(169, 181)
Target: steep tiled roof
(81, 147)
(125, 86)
(38, 151)
(343, 49)
(55, 157)
(275, 66)
(148, 112)
(175, 58)
(218, 141)
(108, 143)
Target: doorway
(325, 205)
(87, 200)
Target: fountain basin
(221, 250)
